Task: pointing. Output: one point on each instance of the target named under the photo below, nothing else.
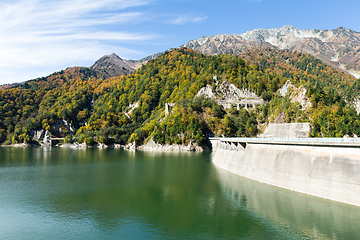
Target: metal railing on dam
(330, 142)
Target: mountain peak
(114, 55)
(197, 42)
(290, 28)
(342, 29)
(113, 65)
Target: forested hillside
(132, 108)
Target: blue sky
(38, 37)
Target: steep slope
(288, 64)
(339, 47)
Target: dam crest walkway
(233, 143)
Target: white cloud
(39, 36)
(186, 18)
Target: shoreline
(150, 146)
(65, 145)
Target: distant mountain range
(340, 48)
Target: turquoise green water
(53, 193)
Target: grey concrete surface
(326, 171)
(286, 130)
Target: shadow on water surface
(314, 217)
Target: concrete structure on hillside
(286, 130)
(323, 167)
(247, 103)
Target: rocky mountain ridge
(339, 47)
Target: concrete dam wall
(323, 168)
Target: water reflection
(315, 217)
(73, 193)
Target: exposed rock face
(339, 48)
(60, 125)
(37, 135)
(73, 145)
(299, 95)
(131, 108)
(296, 94)
(356, 104)
(153, 146)
(207, 92)
(168, 106)
(285, 88)
(42, 135)
(227, 93)
(223, 43)
(112, 65)
(230, 92)
(46, 140)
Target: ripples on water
(53, 193)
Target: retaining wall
(327, 172)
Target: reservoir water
(55, 193)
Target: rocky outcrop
(228, 94)
(38, 135)
(285, 88)
(356, 104)
(41, 136)
(130, 146)
(131, 108)
(73, 145)
(299, 95)
(151, 145)
(295, 94)
(206, 92)
(168, 106)
(60, 125)
(84, 145)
